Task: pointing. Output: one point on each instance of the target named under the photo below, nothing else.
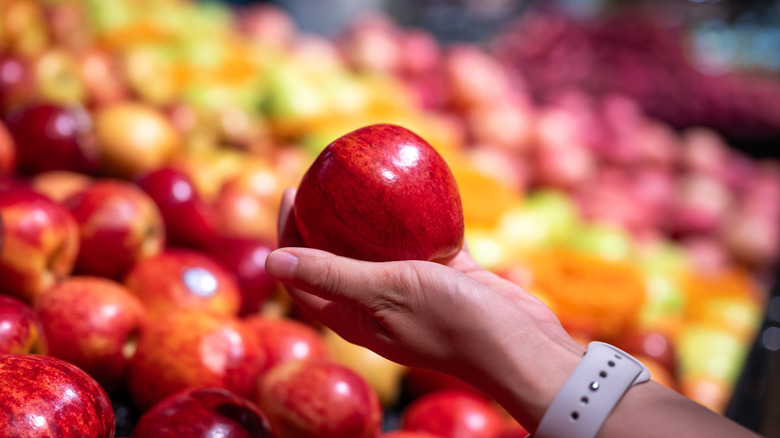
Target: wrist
(527, 380)
(591, 393)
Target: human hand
(450, 318)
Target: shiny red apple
(284, 339)
(20, 329)
(189, 220)
(182, 279)
(245, 259)
(93, 323)
(381, 193)
(203, 413)
(45, 396)
(119, 225)
(454, 413)
(193, 350)
(319, 399)
(40, 244)
(53, 137)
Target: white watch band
(591, 392)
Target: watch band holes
(575, 415)
(611, 363)
(603, 373)
(594, 386)
(617, 356)
(584, 400)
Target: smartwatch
(591, 392)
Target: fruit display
(144, 150)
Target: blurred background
(619, 159)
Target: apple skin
(189, 220)
(284, 339)
(418, 382)
(17, 84)
(43, 396)
(319, 399)
(182, 279)
(381, 193)
(193, 350)
(247, 205)
(134, 137)
(650, 343)
(197, 413)
(8, 154)
(93, 323)
(119, 225)
(454, 413)
(60, 185)
(40, 245)
(384, 375)
(408, 434)
(245, 258)
(53, 137)
(22, 331)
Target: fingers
(342, 293)
(328, 276)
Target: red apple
(247, 205)
(93, 323)
(134, 137)
(40, 245)
(700, 204)
(119, 225)
(454, 413)
(189, 220)
(53, 137)
(245, 259)
(384, 375)
(418, 382)
(102, 77)
(408, 434)
(474, 77)
(20, 329)
(183, 279)
(8, 154)
(57, 76)
(202, 413)
(381, 193)
(318, 399)
(17, 86)
(268, 24)
(373, 44)
(284, 339)
(60, 185)
(652, 344)
(193, 350)
(45, 396)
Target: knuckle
(327, 278)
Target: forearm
(652, 410)
(525, 384)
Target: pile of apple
(144, 147)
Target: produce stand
(623, 177)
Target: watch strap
(591, 392)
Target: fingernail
(281, 264)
